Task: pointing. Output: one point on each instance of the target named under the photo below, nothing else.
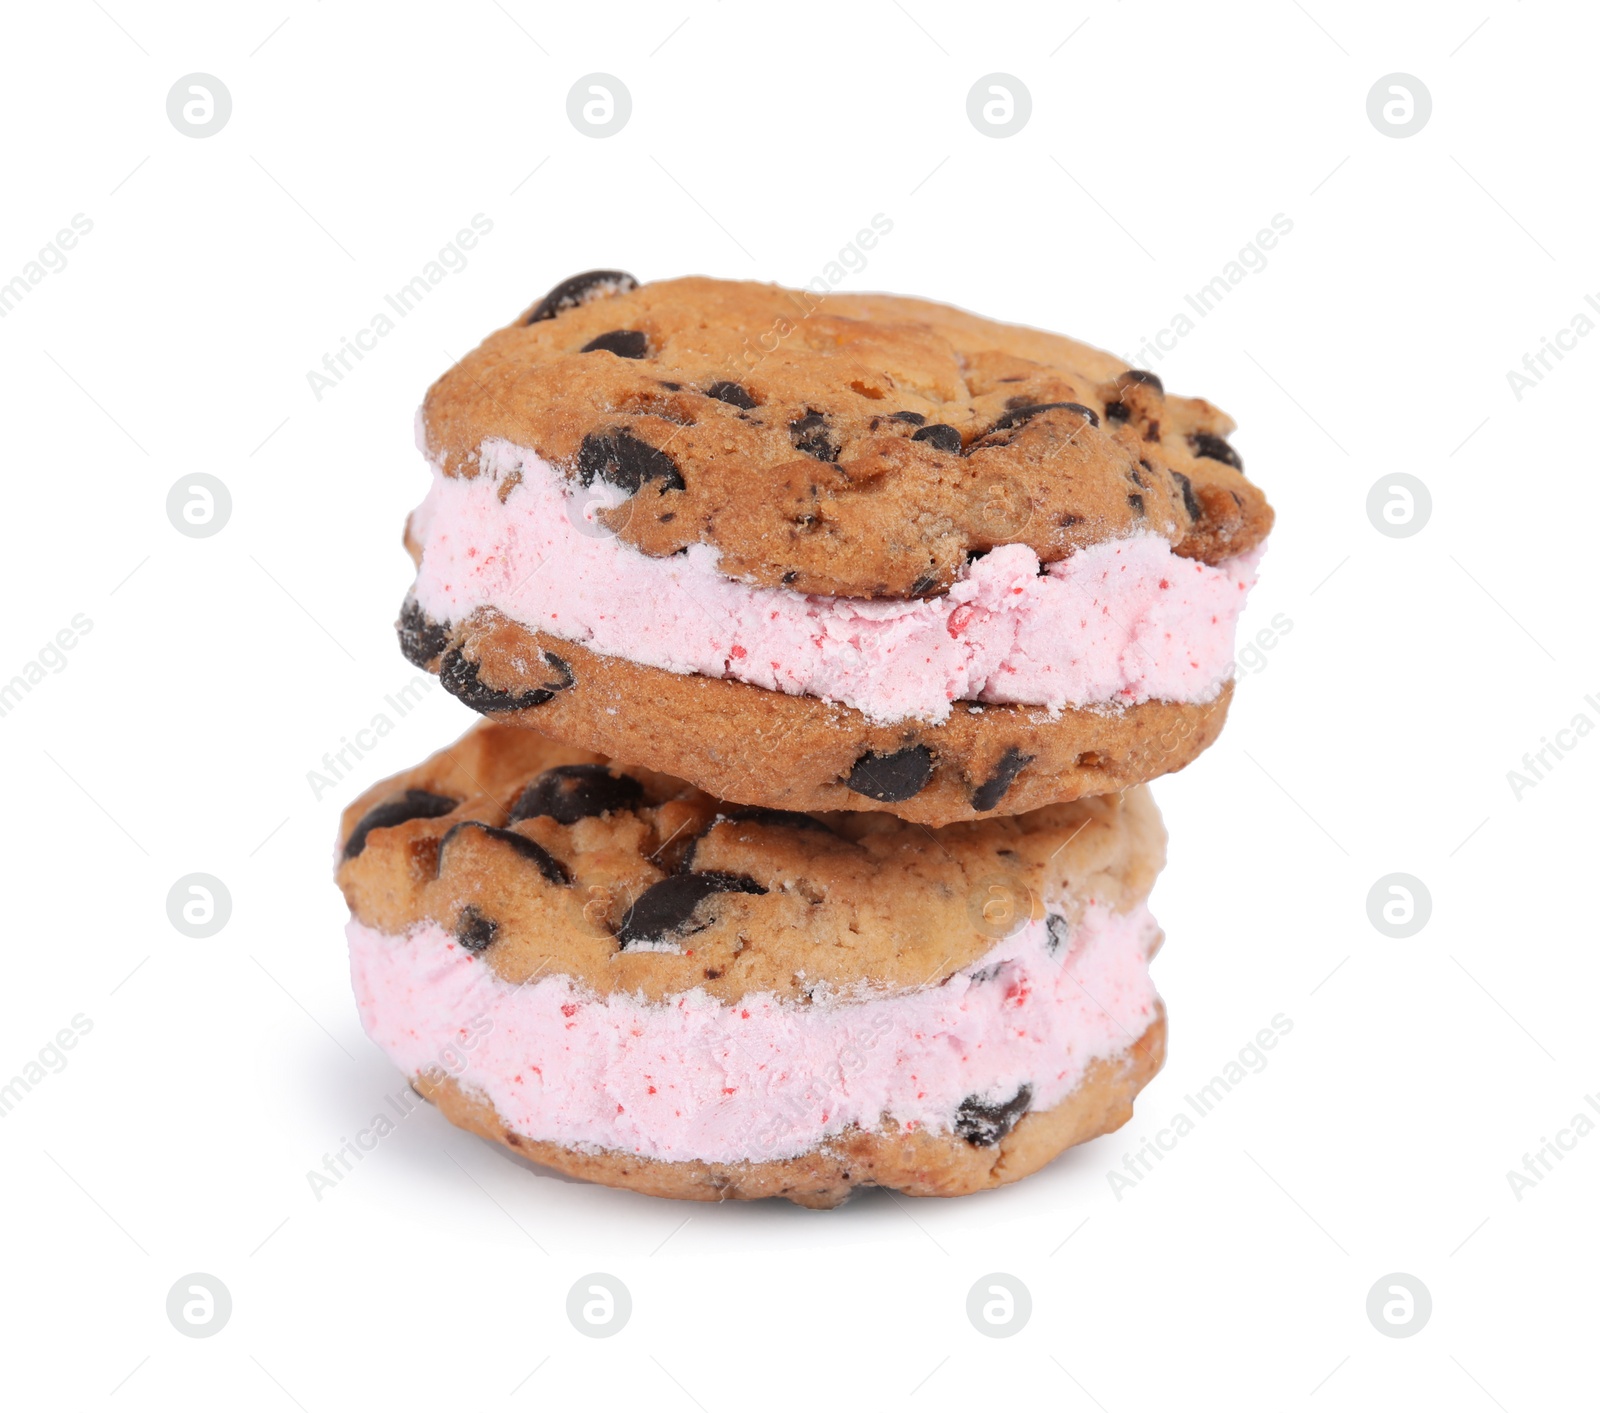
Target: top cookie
(854, 445)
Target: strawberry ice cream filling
(1112, 625)
(695, 1079)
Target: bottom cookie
(920, 1164)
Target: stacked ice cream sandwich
(826, 645)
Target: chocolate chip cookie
(622, 977)
(860, 552)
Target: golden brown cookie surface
(545, 859)
(857, 445)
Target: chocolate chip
(563, 678)
(672, 387)
(892, 777)
(1152, 431)
(789, 576)
(983, 1124)
(414, 804)
(474, 931)
(732, 394)
(1018, 415)
(550, 866)
(916, 419)
(667, 909)
(1216, 449)
(993, 790)
(1116, 412)
(926, 582)
(580, 289)
(622, 459)
(811, 435)
(940, 436)
(459, 677)
(1141, 375)
(569, 793)
(1058, 931)
(1189, 502)
(421, 638)
(1137, 502)
(625, 343)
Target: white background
(1376, 739)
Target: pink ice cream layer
(692, 1078)
(1113, 624)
